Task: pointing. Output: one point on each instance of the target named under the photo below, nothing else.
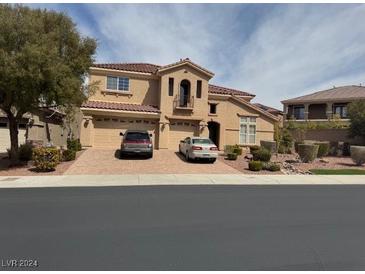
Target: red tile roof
(137, 67)
(228, 91)
(269, 109)
(120, 106)
(152, 69)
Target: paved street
(185, 227)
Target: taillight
(197, 148)
(213, 148)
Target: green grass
(345, 171)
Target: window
(117, 83)
(247, 130)
(299, 112)
(213, 108)
(199, 89)
(171, 86)
(3, 125)
(340, 110)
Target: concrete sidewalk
(175, 179)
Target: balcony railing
(184, 102)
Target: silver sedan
(198, 148)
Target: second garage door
(181, 130)
(107, 130)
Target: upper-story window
(340, 110)
(117, 83)
(213, 108)
(247, 130)
(298, 112)
(171, 86)
(199, 89)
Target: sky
(276, 51)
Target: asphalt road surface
(184, 228)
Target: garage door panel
(107, 131)
(5, 138)
(179, 131)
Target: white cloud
(163, 34)
(303, 48)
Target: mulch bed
(241, 164)
(28, 170)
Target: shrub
(333, 148)
(346, 149)
(46, 158)
(269, 145)
(228, 149)
(262, 154)
(237, 149)
(307, 152)
(296, 145)
(74, 144)
(271, 166)
(68, 155)
(254, 148)
(232, 156)
(25, 152)
(323, 149)
(358, 154)
(254, 165)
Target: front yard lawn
(345, 171)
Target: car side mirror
(121, 134)
(182, 141)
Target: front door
(213, 128)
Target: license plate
(206, 155)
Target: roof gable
(252, 106)
(187, 62)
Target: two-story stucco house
(172, 102)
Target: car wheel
(212, 160)
(187, 158)
(150, 155)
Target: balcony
(183, 102)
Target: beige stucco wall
(143, 89)
(228, 116)
(45, 130)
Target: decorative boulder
(358, 154)
(307, 152)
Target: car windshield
(137, 136)
(202, 141)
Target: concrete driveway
(106, 161)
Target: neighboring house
(276, 112)
(171, 102)
(44, 126)
(323, 105)
(328, 110)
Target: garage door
(181, 130)
(5, 137)
(107, 130)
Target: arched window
(184, 93)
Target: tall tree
(43, 62)
(356, 113)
